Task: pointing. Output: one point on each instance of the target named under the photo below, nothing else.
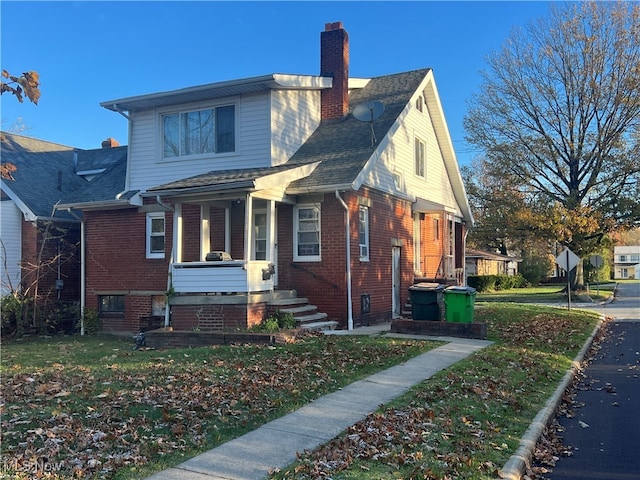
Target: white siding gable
(294, 117)
(11, 248)
(397, 157)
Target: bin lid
(427, 287)
(461, 290)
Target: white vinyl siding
(11, 250)
(397, 160)
(294, 117)
(146, 163)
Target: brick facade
(57, 259)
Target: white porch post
(227, 230)
(248, 230)
(271, 230)
(177, 232)
(205, 237)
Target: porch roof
(247, 180)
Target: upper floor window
(306, 233)
(155, 235)
(199, 132)
(420, 157)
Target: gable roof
(342, 149)
(46, 174)
(344, 146)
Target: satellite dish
(368, 112)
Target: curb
(517, 464)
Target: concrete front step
(315, 317)
(283, 302)
(319, 326)
(296, 311)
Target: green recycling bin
(459, 303)
(424, 301)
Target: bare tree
(558, 116)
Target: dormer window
(199, 132)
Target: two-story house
(626, 262)
(39, 244)
(256, 194)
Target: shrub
(92, 321)
(278, 321)
(488, 283)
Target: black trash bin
(424, 301)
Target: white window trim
(306, 258)
(152, 216)
(415, 158)
(173, 111)
(364, 258)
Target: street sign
(596, 260)
(567, 260)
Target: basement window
(111, 303)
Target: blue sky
(89, 52)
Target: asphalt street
(604, 433)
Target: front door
(395, 275)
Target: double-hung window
(199, 132)
(363, 232)
(155, 235)
(420, 157)
(306, 240)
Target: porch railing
(234, 276)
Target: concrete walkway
(275, 444)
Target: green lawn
(91, 407)
(549, 294)
(466, 421)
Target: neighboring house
(247, 196)
(479, 262)
(626, 262)
(39, 250)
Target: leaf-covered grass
(91, 407)
(464, 422)
(547, 294)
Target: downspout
(464, 255)
(167, 309)
(348, 242)
(82, 270)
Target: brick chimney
(110, 143)
(334, 62)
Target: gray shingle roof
(221, 178)
(344, 146)
(46, 173)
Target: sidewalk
(274, 445)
